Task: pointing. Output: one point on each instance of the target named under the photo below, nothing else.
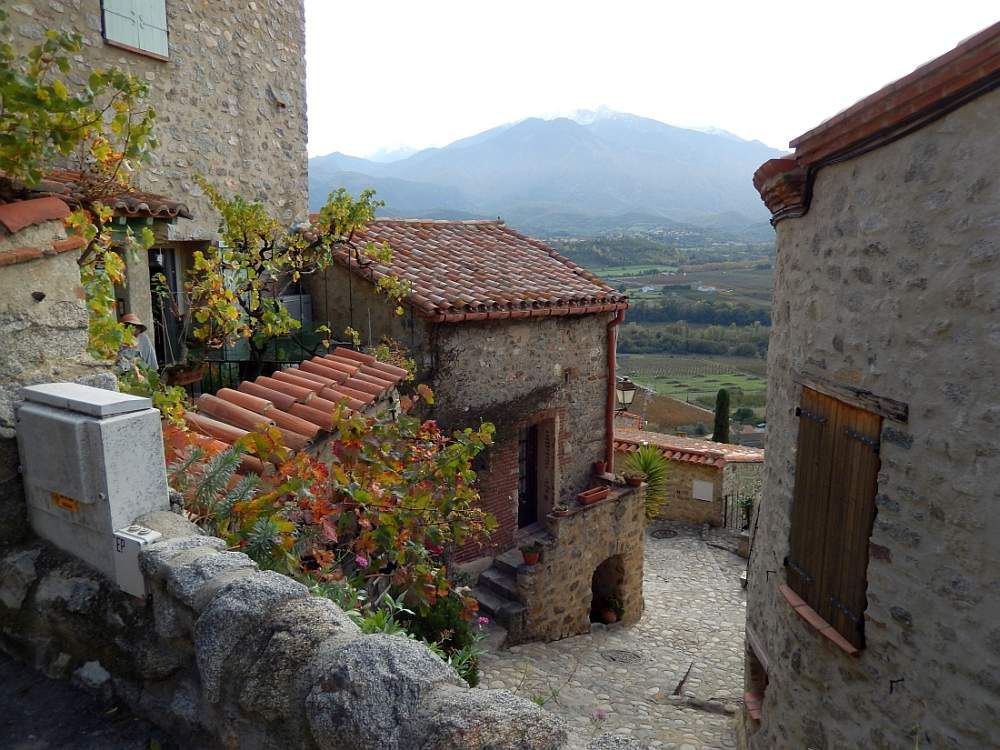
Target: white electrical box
(92, 462)
(128, 544)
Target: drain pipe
(609, 411)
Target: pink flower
(483, 621)
(361, 562)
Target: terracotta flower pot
(600, 467)
(185, 376)
(608, 616)
(560, 512)
(593, 495)
(531, 558)
(633, 480)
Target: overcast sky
(386, 74)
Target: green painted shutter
(153, 26)
(141, 24)
(121, 22)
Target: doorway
(527, 477)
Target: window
(137, 25)
(836, 472)
(702, 490)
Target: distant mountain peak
(593, 170)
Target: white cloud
(382, 75)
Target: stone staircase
(496, 591)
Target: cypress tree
(720, 432)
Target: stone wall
(891, 283)
(556, 592)
(681, 505)
(226, 655)
(44, 339)
(516, 372)
(343, 300)
(230, 102)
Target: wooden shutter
(836, 473)
(153, 26)
(121, 22)
(851, 513)
(137, 24)
(813, 465)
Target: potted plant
(593, 495)
(600, 467)
(531, 553)
(560, 510)
(649, 465)
(632, 479)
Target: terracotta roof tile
(931, 91)
(299, 403)
(677, 448)
(65, 185)
(22, 214)
(474, 270)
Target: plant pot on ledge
(531, 553)
(560, 511)
(633, 480)
(185, 374)
(600, 467)
(593, 495)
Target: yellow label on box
(66, 503)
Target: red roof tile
(691, 450)
(299, 403)
(22, 214)
(931, 91)
(65, 184)
(474, 270)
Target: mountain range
(593, 173)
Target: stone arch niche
(607, 590)
(595, 551)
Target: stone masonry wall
(556, 592)
(342, 301)
(891, 283)
(680, 504)
(230, 102)
(225, 655)
(42, 341)
(513, 372)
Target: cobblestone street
(670, 681)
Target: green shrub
(652, 465)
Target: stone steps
(507, 613)
(509, 562)
(500, 582)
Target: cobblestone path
(690, 635)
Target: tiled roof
(299, 401)
(931, 91)
(22, 214)
(677, 448)
(65, 185)
(475, 270)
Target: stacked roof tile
(476, 270)
(298, 401)
(68, 186)
(677, 448)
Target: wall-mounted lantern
(625, 391)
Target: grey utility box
(92, 462)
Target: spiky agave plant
(652, 465)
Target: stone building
(506, 330)
(43, 326)
(707, 482)
(227, 81)
(873, 601)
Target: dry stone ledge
(366, 692)
(225, 655)
(482, 719)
